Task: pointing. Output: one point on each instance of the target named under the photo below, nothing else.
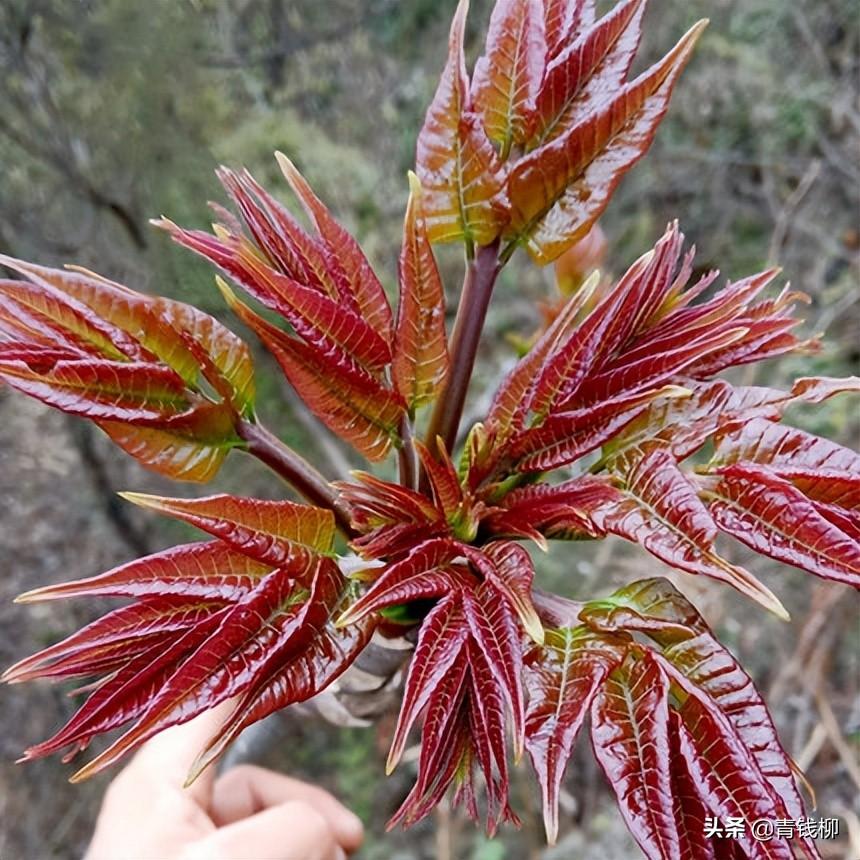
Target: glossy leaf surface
(458, 167)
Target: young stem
(481, 274)
(295, 470)
(406, 456)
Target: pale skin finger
(167, 758)
(171, 815)
(246, 790)
(289, 831)
(247, 812)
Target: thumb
(167, 758)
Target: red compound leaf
(142, 368)
(562, 679)
(630, 734)
(459, 170)
(560, 189)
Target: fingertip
(350, 830)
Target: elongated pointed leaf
(110, 390)
(443, 636)
(659, 509)
(444, 746)
(510, 405)
(561, 682)
(308, 671)
(657, 609)
(507, 78)
(114, 639)
(725, 775)
(564, 20)
(420, 363)
(448, 495)
(421, 574)
(274, 533)
(487, 701)
(185, 450)
(494, 630)
(374, 502)
(630, 734)
(277, 234)
(134, 364)
(336, 330)
(346, 254)
(772, 445)
(269, 621)
(773, 517)
(559, 190)
(348, 400)
(206, 570)
(690, 811)
(564, 437)
(588, 70)
(458, 167)
(119, 323)
(84, 303)
(559, 510)
(508, 568)
(126, 694)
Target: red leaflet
(567, 436)
(338, 332)
(559, 190)
(448, 495)
(134, 364)
(587, 70)
(409, 577)
(552, 511)
(726, 778)
(561, 679)
(112, 640)
(291, 678)
(564, 19)
(467, 664)
(656, 608)
(659, 508)
(630, 734)
(346, 255)
(277, 234)
(349, 400)
(212, 620)
(509, 75)
(761, 441)
(443, 636)
(420, 362)
(508, 568)
(773, 517)
(494, 632)
(274, 533)
(690, 811)
(269, 622)
(459, 170)
(208, 570)
(511, 405)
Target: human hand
(247, 813)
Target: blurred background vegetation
(115, 111)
